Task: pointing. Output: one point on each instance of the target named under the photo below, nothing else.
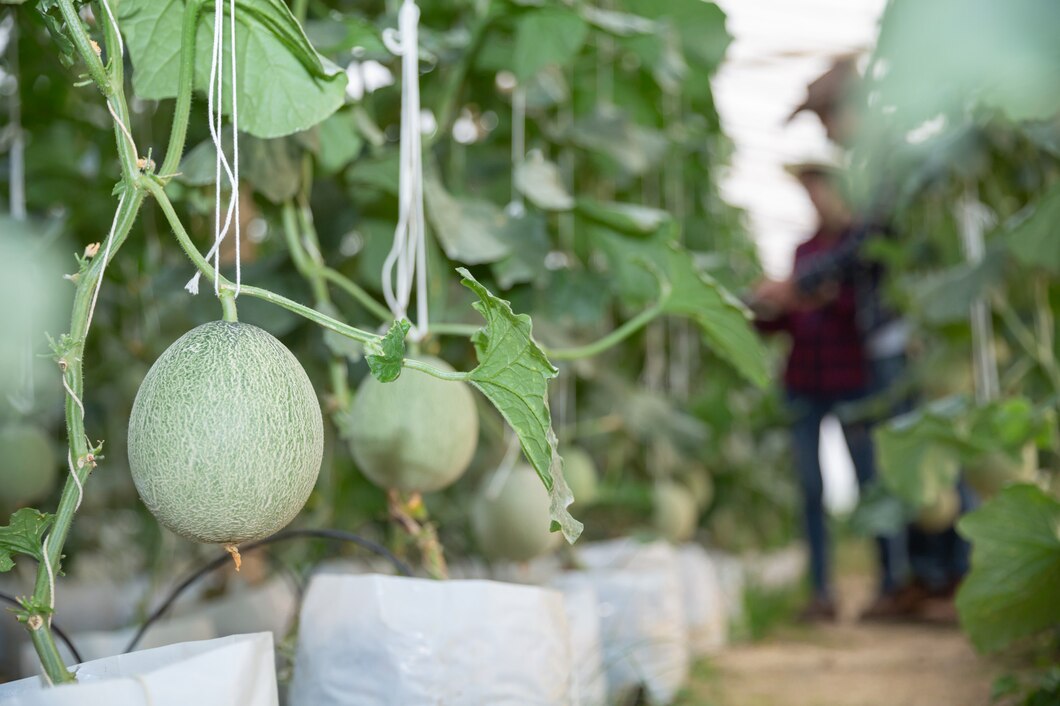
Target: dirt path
(851, 664)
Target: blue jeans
(808, 413)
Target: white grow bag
(392, 641)
(238, 670)
(706, 610)
(731, 573)
(642, 616)
(583, 617)
(98, 644)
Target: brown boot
(819, 610)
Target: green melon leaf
(1033, 240)
(723, 319)
(539, 180)
(1015, 578)
(624, 217)
(513, 373)
(23, 535)
(285, 86)
(469, 229)
(385, 355)
(547, 37)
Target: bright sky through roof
(779, 47)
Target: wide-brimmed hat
(830, 88)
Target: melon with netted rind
(675, 514)
(701, 484)
(28, 465)
(415, 434)
(990, 472)
(510, 516)
(940, 515)
(581, 475)
(226, 435)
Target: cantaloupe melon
(700, 483)
(512, 521)
(226, 435)
(675, 514)
(415, 434)
(28, 465)
(991, 472)
(580, 472)
(941, 514)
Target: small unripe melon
(415, 434)
(675, 514)
(940, 515)
(991, 472)
(512, 521)
(28, 465)
(580, 472)
(700, 483)
(225, 436)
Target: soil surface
(849, 664)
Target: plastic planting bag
(100, 644)
(393, 641)
(706, 613)
(642, 616)
(731, 573)
(230, 671)
(779, 569)
(583, 617)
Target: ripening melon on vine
(415, 434)
(226, 435)
(28, 465)
(701, 485)
(510, 516)
(675, 514)
(580, 472)
(940, 515)
(991, 472)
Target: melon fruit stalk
(675, 513)
(415, 434)
(226, 435)
(28, 465)
(510, 516)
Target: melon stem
(228, 305)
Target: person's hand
(779, 295)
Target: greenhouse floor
(847, 664)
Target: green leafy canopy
(285, 86)
(513, 373)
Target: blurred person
(827, 368)
(936, 561)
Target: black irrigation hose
(58, 631)
(221, 560)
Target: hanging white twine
(405, 267)
(517, 206)
(974, 218)
(215, 108)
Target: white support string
(405, 266)
(517, 206)
(215, 109)
(77, 481)
(974, 218)
(117, 31)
